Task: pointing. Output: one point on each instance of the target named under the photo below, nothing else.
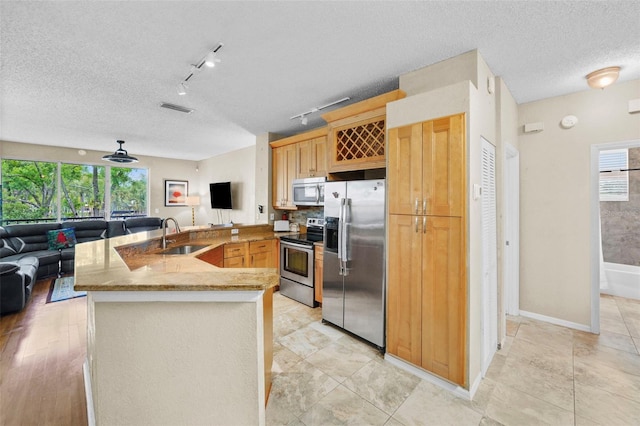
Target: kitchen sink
(183, 249)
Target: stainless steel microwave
(308, 191)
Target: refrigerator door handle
(341, 235)
(346, 236)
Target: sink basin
(183, 249)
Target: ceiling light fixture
(303, 116)
(210, 60)
(120, 156)
(602, 78)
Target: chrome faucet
(164, 231)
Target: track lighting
(210, 60)
(303, 116)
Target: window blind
(614, 184)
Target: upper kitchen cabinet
(298, 156)
(356, 138)
(312, 155)
(284, 172)
(426, 168)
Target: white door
(489, 256)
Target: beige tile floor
(545, 374)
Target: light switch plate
(235, 231)
(477, 191)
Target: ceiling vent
(176, 107)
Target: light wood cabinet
(261, 254)
(356, 138)
(426, 271)
(284, 172)
(215, 256)
(235, 255)
(318, 273)
(404, 289)
(254, 254)
(312, 157)
(426, 170)
(299, 156)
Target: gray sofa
(25, 254)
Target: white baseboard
(431, 378)
(556, 321)
(91, 415)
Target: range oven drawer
(296, 291)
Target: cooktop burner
(315, 229)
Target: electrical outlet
(272, 216)
(234, 231)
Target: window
(128, 192)
(82, 191)
(31, 192)
(614, 182)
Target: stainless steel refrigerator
(353, 289)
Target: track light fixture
(210, 60)
(303, 116)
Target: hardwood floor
(42, 351)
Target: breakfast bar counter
(172, 338)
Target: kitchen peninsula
(172, 338)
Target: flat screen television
(220, 195)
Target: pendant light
(120, 156)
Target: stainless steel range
(297, 265)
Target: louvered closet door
(489, 255)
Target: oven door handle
(295, 245)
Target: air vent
(176, 107)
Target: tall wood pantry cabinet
(426, 282)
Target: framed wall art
(175, 192)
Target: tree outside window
(30, 192)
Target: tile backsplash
(300, 216)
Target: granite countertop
(132, 263)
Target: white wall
(238, 167)
(555, 201)
(506, 134)
(263, 178)
(160, 169)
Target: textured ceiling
(83, 74)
